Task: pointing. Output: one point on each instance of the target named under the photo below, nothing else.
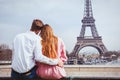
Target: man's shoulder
(28, 35)
(19, 35)
(33, 36)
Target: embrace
(38, 53)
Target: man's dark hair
(36, 25)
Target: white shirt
(27, 49)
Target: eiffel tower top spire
(88, 21)
(88, 9)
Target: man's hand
(60, 63)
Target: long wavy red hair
(49, 42)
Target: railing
(5, 62)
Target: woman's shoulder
(60, 39)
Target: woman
(52, 47)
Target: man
(26, 51)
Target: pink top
(61, 50)
(53, 72)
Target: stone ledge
(82, 71)
(93, 66)
(114, 66)
(68, 78)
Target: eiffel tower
(95, 40)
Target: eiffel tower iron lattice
(94, 40)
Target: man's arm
(41, 58)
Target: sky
(64, 16)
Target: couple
(38, 52)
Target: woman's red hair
(49, 42)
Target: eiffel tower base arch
(84, 42)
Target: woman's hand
(60, 63)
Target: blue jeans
(22, 76)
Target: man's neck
(36, 32)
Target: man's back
(24, 45)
